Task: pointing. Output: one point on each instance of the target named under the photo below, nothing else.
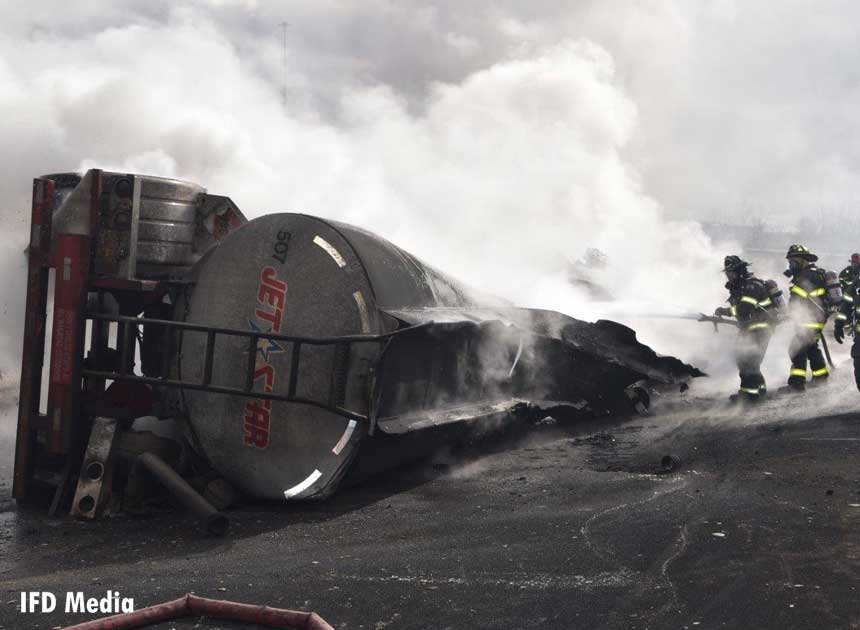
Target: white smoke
(497, 141)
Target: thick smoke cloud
(496, 140)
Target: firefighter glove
(722, 311)
(838, 332)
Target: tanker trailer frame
(101, 244)
(99, 294)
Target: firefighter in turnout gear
(850, 274)
(808, 307)
(751, 304)
(849, 311)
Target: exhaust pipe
(214, 522)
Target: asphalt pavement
(567, 526)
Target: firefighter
(850, 274)
(750, 302)
(849, 311)
(808, 308)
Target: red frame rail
(35, 319)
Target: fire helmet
(734, 263)
(799, 251)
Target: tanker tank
(384, 358)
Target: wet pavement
(566, 527)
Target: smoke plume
(496, 140)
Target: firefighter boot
(796, 381)
(798, 351)
(751, 388)
(820, 373)
(762, 386)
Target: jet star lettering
(271, 298)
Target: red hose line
(193, 606)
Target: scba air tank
(776, 295)
(834, 288)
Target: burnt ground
(569, 527)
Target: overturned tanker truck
(295, 353)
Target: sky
(497, 140)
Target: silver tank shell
(327, 294)
(304, 276)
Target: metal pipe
(213, 521)
(149, 380)
(252, 363)
(208, 358)
(193, 606)
(294, 368)
(238, 332)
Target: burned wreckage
(293, 353)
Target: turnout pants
(804, 349)
(855, 354)
(750, 348)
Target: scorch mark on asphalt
(615, 508)
(673, 602)
(664, 568)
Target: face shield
(795, 264)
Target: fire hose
(193, 606)
(716, 320)
(722, 320)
